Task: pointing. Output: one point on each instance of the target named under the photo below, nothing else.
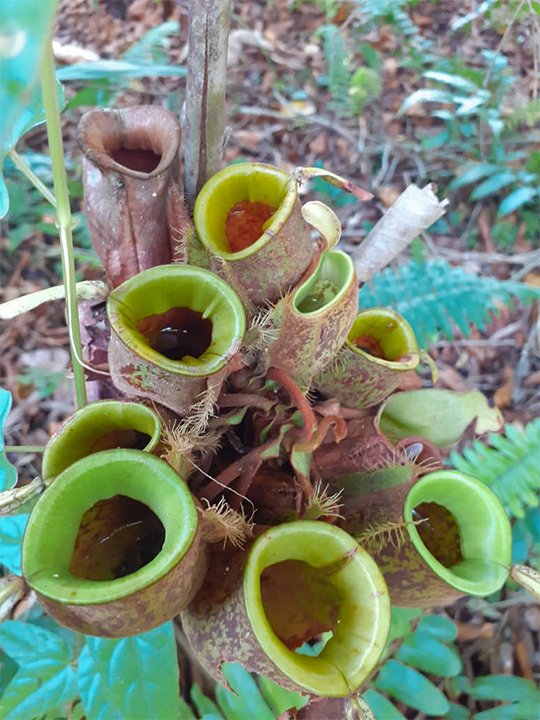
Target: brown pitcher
(132, 192)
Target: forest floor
(284, 109)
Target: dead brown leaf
(503, 395)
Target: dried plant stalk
(205, 92)
(414, 211)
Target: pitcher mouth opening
(461, 531)
(181, 318)
(242, 207)
(385, 337)
(104, 425)
(130, 142)
(102, 531)
(117, 536)
(327, 285)
(305, 580)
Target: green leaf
(472, 173)
(508, 464)
(279, 699)
(135, 678)
(467, 105)
(504, 688)
(441, 416)
(28, 643)
(38, 689)
(24, 30)
(186, 713)
(32, 115)
(532, 523)
(8, 473)
(440, 626)
(116, 70)
(449, 79)
(382, 708)
(423, 651)
(514, 711)
(152, 46)
(11, 534)
(247, 702)
(425, 95)
(4, 195)
(8, 670)
(411, 687)
(520, 542)
(516, 199)
(400, 623)
(46, 678)
(205, 707)
(435, 297)
(435, 141)
(492, 185)
(458, 712)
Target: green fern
(152, 46)
(436, 297)
(508, 464)
(337, 62)
(365, 87)
(379, 12)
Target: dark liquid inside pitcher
(439, 532)
(116, 537)
(245, 224)
(178, 332)
(121, 438)
(136, 159)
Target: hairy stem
(21, 164)
(63, 214)
(204, 123)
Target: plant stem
(204, 123)
(63, 213)
(24, 448)
(26, 170)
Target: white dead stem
(86, 290)
(412, 213)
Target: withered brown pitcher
(132, 191)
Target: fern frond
(376, 12)
(152, 46)
(435, 297)
(337, 62)
(508, 463)
(375, 537)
